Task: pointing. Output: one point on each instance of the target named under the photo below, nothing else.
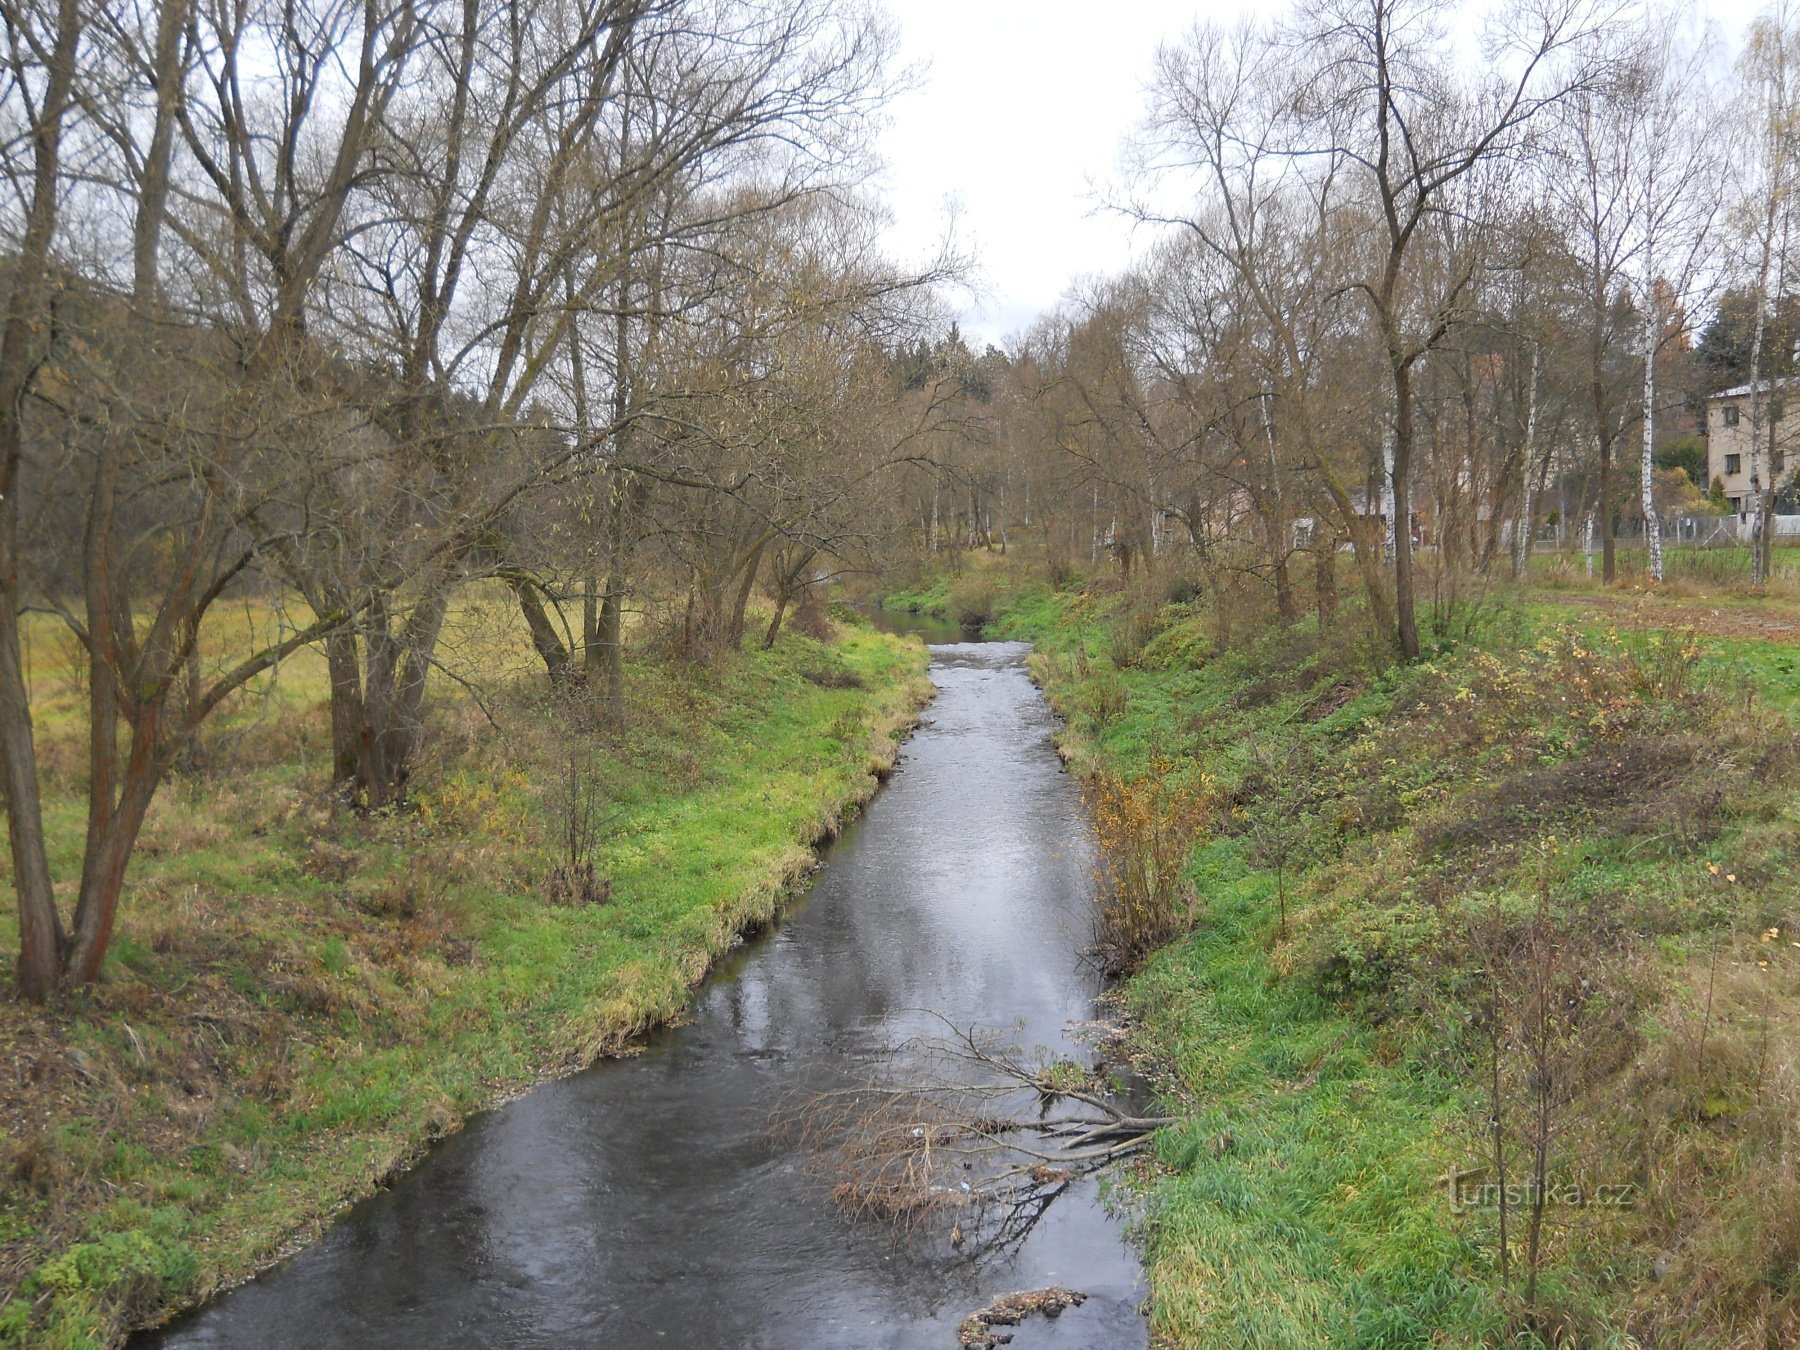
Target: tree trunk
(788, 574)
(1325, 579)
(1364, 549)
(612, 601)
(1525, 527)
(1652, 522)
(41, 938)
(1759, 560)
(109, 851)
(171, 18)
(344, 670)
(774, 629)
(545, 640)
(591, 663)
(1406, 620)
(734, 633)
(378, 700)
(1762, 495)
(1390, 538)
(407, 727)
(612, 646)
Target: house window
(1734, 464)
(1736, 502)
(1777, 460)
(1731, 417)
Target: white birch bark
(1390, 544)
(1652, 521)
(1522, 527)
(1758, 571)
(1766, 66)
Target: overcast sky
(1024, 107)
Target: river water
(643, 1202)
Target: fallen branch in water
(977, 1329)
(964, 1133)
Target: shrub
(1104, 699)
(1145, 831)
(811, 619)
(972, 600)
(577, 818)
(1126, 639)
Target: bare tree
(1678, 167)
(1360, 112)
(1767, 163)
(242, 355)
(165, 442)
(1417, 140)
(42, 51)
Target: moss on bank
(299, 1001)
(1632, 794)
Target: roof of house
(1738, 391)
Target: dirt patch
(1334, 698)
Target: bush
(973, 600)
(1126, 639)
(1104, 699)
(1145, 831)
(811, 618)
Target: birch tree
(1669, 109)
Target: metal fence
(1695, 531)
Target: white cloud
(1022, 112)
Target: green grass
(1772, 669)
(930, 598)
(1767, 667)
(967, 594)
(1301, 1201)
(298, 1002)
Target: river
(643, 1202)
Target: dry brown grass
(1710, 1118)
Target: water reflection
(933, 631)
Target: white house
(1728, 440)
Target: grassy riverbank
(1550, 876)
(300, 1001)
